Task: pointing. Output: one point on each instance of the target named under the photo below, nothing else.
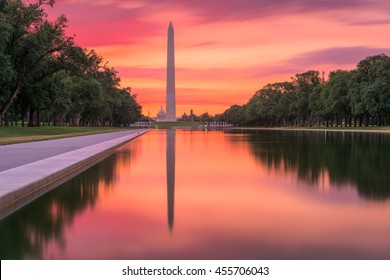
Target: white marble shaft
(170, 94)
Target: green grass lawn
(12, 134)
(163, 125)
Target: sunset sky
(225, 50)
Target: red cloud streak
(225, 50)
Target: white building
(161, 116)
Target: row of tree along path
(46, 78)
(348, 98)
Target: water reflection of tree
(360, 159)
(25, 233)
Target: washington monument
(171, 98)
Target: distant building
(188, 118)
(184, 118)
(161, 116)
(192, 116)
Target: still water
(215, 195)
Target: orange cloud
(225, 52)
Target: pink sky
(225, 50)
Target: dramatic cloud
(336, 56)
(372, 22)
(239, 8)
(322, 60)
(225, 50)
(234, 9)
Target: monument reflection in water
(260, 195)
(171, 134)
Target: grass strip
(14, 135)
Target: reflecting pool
(181, 194)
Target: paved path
(32, 169)
(20, 154)
(358, 130)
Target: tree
(370, 90)
(354, 96)
(87, 99)
(375, 71)
(235, 115)
(317, 104)
(305, 84)
(358, 107)
(58, 102)
(272, 105)
(286, 106)
(43, 71)
(7, 74)
(128, 110)
(33, 45)
(338, 99)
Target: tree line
(359, 97)
(45, 78)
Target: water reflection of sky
(235, 197)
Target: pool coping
(311, 129)
(21, 185)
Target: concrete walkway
(29, 170)
(358, 130)
(20, 154)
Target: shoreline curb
(18, 189)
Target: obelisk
(170, 98)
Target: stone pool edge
(21, 185)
